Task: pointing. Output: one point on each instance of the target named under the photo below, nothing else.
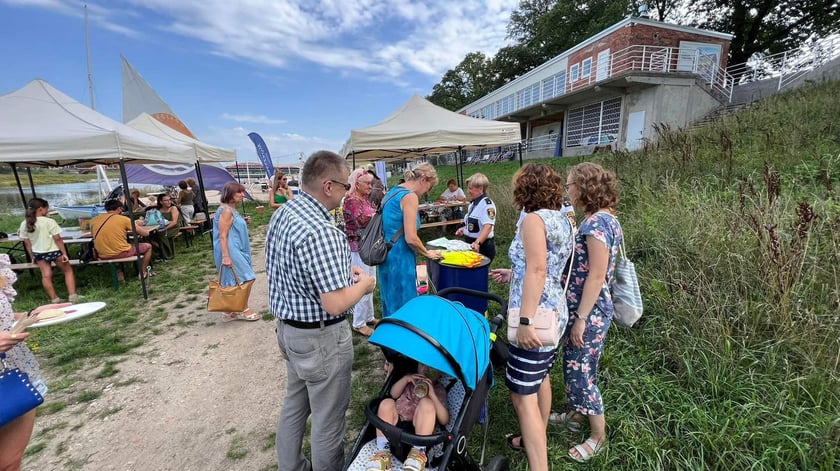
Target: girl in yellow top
(42, 238)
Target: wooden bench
(110, 262)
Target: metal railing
(787, 66)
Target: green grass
(736, 363)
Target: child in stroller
(416, 401)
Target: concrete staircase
(719, 113)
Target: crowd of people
(316, 280)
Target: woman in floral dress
(15, 435)
(592, 190)
(538, 255)
(358, 210)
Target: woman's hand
(226, 261)
(9, 340)
(526, 337)
(65, 259)
(500, 275)
(475, 246)
(43, 308)
(434, 255)
(459, 232)
(576, 335)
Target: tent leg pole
(31, 184)
(139, 262)
(20, 187)
(520, 153)
(201, 189)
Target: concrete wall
(759, 89)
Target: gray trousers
(318, 367)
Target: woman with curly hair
(594, 191)
(538, 255)
(42, 238)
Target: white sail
(139, 97)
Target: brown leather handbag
(228, 298)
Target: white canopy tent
(420, 127)
(41, 126)
(203, 152)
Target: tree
(511, 62)
(768, 26)
(467, 82)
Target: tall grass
(735, 230)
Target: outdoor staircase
(718, 114)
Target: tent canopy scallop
(40, 125)
(420, 127)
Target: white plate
(72, 312)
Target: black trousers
(488, 248)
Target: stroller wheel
(498, 463)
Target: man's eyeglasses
(345, 185)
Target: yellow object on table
(462, 258)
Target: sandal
(240, 316)
(513, 436)
(565, 420)
(585, 455)
(363, 330)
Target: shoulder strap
(571, 262)
(382, 207)
(103, 225)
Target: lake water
(65, 194)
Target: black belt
(313, 325)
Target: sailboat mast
(89, 71)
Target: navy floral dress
(580, 365)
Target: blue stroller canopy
(460, 332)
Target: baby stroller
(455, 341)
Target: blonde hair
(420, 171)
(354, 179)
(478, 180)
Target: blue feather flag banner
(262, 153)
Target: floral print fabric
(357, 215)
(580, 365)
(18, 356)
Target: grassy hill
(735, 230)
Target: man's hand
(360, 277)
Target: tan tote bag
(228, 298)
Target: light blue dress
(239, 248)
(398, 275)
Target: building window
(560, 83)
(548, 88)
(586, 68)
(575, 73)
(596, 124)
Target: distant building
(607, 92)
(246, 170)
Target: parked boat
(69, 213)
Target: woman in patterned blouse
(358, 210)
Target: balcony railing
(787, 66)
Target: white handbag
(626, 295)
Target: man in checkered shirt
(311, 290)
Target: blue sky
(302, 73)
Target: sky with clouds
(302, 73)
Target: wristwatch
(525, 321)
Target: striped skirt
(526, 369)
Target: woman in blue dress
(398, 274)
(538, 255)
(232, 246)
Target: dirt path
(200, 396)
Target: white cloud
(284, 147)
(380, 38)
(259, 119)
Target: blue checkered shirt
(305, 255)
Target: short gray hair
(322, 164)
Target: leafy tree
(768, 26)
(467, 82)
(511, 62)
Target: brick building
(608, 91)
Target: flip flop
(564, 420)
(513, 436)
